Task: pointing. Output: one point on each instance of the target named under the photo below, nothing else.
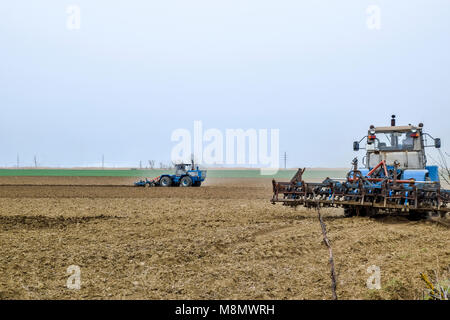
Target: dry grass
(221, 241)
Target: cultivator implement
(365, 194)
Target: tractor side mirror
(437, 143)
(356, 146)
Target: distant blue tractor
(186, 175)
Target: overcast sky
(136, 71)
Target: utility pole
(140, 164)
(35, 162)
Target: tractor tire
(165, 181)
(197, 184)
(369, 212)
(349, 212)
(417, 215)
(186, 181)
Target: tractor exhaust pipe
(393, 120)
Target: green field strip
(212, 173)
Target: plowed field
(223, 240)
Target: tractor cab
(181, 169)
(403, 146)
(399, 149)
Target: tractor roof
(396, 129)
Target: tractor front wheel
(165, 181)
(186, 181)
(417, 215)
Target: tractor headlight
(414, 133)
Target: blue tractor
(396, 178)
(186, 175)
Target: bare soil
(224, 240)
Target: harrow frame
(359, 194)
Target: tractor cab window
(180, 169)
(393, 141)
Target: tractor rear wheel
(368, 212)
(186, 181)
(417, 215)
(165, 181)
(349, 212)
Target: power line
(285, 159)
